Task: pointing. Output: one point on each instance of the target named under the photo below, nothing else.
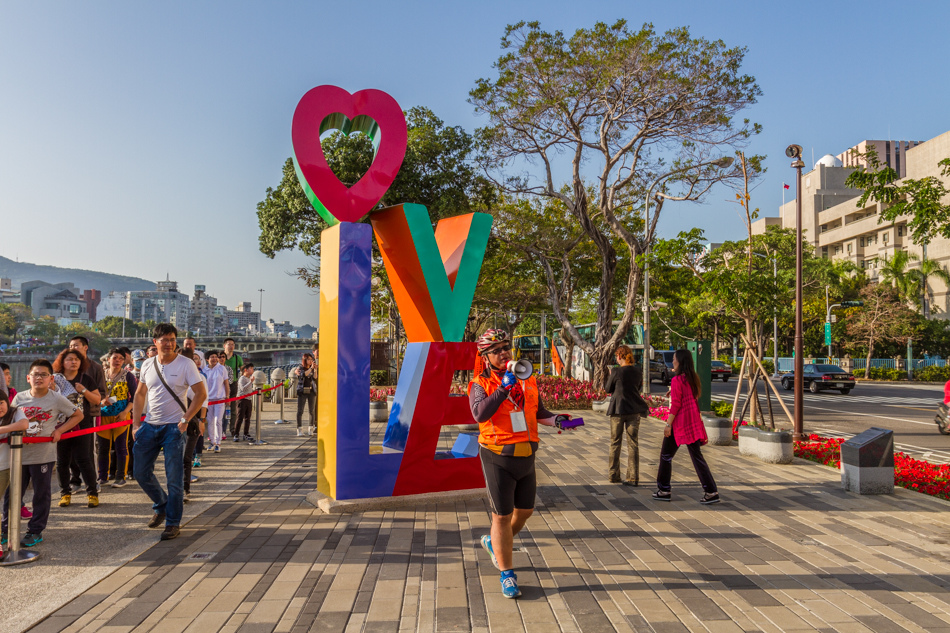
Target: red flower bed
(567, 393)
(910, 473)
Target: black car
(817, 377)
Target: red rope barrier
(106, 427)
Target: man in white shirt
(218, 388)
(163, 385)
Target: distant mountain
(20, 272)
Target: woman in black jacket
(626, 407)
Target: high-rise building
(202, 312)
(243, 319)
(164, 305)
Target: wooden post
(769, 384)
(735, 402)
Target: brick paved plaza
(787, 550)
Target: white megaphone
(522, 369)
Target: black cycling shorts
(511, 481)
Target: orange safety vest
(497, 430)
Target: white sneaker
(311, 430)
(299, 432)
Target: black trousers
(244, 415)
(78, 450)
(308, 400)
(665, 471)
(191, 441)
(42, 477)
(232, 408)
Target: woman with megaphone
(505, 402)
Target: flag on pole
(784, 185)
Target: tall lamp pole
(260, 306)
(795, 153)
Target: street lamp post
(795, 152)
(721, 162)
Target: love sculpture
(433, 276)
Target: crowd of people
(76, 392)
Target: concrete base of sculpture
(772, 447)
(868, 480)
(719, 430)
(344, 506)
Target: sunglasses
(41, 376)
(499, 350)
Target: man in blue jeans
(163, 385)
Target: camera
(793, 151)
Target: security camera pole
(795, 152)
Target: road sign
(834, 318)
(827, 333)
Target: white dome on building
(828, 161)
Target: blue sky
(137, 138)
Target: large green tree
(882, 318)
(637, 111)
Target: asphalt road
(907, 409)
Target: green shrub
(932, 374)
(858, 373)
(722, 409)
(378, 377)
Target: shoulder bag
(193, 432)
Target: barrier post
(259, 379)
(16, 555)
(277, 376)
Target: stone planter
(378, 412)
(389, 402)
(718, 429)
(772, 447)
(600, 405)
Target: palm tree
(895, 273)
(919, 279)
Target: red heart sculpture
(330, 197)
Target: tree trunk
(867, 366)
(715, 340)
(568, 354)
(601, 365)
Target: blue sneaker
(196, 463)
(509, 584)
(31, 539)
(486, 544)
(3, 539)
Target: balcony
(849, 230)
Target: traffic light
(852, 304)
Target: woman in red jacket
(684, 426)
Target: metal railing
(788, 364)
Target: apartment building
(838, 228)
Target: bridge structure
(243, 345)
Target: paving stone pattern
(787, 550)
